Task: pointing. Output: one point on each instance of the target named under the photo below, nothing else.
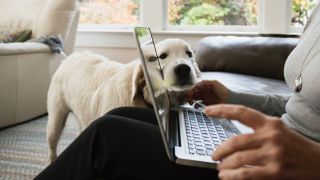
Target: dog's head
(179, 69)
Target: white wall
(122, 48)
(123, 55)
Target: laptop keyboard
(203, 134)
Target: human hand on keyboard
(198, 105)
(273, 151)
(210, 92)
(225, 123)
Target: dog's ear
(195, 64)
(196, 68)
(137, 80)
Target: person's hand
(210, 92)
(273, 151)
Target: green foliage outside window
(212, 12)
(109, 11)
(205, 14)
(229, 12)
(301, 11)
(142, 32)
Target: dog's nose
(182, 70)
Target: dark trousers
(123, 144)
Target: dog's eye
(152, 59)
(189, 53)
(163, 56)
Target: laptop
(189, 136)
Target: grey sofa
(246, 64)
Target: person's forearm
(271, 104)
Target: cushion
(258, 56)
(17, 36)
(56, 18)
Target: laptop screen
(154, 77)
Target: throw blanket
(54, 42)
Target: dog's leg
(57, 115)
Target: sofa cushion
(258, 56)
(57, 18)
(18, 15)
(44, 17)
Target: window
(212, 12)
(113, 19)
(301, 11)
(213, 15)
(109, 12)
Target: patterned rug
(23, 148)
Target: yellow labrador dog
(89, 85)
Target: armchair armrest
(23, 48)
(258, 56)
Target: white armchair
(26, 68)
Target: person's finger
(255, 172)
(203, 82)
(243, 158)
(237, 143)
(192, 96)
(243, 114)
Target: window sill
(124, 38)
(112, 38)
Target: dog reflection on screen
(178, 72)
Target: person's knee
(108, 122)
(104, 122)
(119, 111)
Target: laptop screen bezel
(164, 136)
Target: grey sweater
(300, 111)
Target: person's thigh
(115, 147)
